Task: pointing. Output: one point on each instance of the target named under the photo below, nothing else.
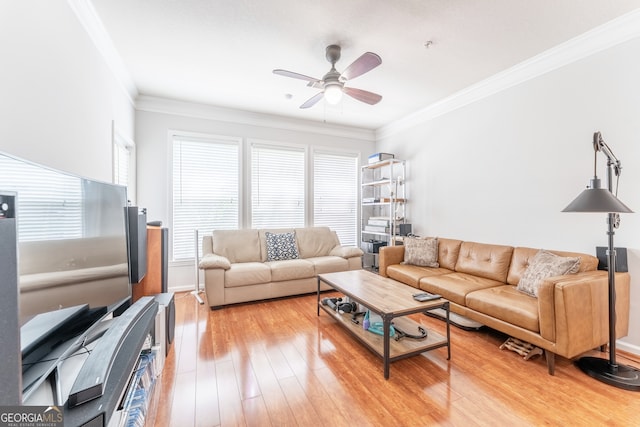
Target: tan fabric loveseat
(568, 317)
(238, 265)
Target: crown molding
(605, 36)
(222, 114)
(88, 17)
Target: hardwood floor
(278, 364)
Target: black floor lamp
(596, 199)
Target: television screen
(72, 239)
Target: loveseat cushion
(484, 260)
(247, 273)
(290, 269)
(316, 241)
(237, 245)
(411, 274)
(456, 286)
(328, 264)
(507, 304)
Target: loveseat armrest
(389, 255)
(574, 310)
(210, 261)
(346, 252)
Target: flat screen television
(72, 247)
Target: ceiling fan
(332, 84)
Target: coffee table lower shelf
(405, 347)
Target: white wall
(501, 169)
(58, 97)
(155, 118)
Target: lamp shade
(597, 199)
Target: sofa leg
(551, 361)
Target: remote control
(426, 296)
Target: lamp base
(626, 377)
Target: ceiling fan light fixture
(333, 93)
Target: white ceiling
(222, 52)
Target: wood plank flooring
(277, 363)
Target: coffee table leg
(448, 332)
(386, 321)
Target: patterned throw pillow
(281, 246)
(545, 264)
(421, 251)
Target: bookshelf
(383, 206)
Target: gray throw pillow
(545, 264)
(281, 246)
(421, 251)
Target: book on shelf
(378, 222)
(379, 229)
(376, 228)
(370, 200)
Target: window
(121, 162)
(206, 186)
(49, 203)
(277, 186)
(335, 194)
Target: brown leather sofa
(569, 317)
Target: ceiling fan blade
(362, 95)
(313, 100)
(291, 74)
(368, 61)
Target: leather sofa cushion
(328, 264)
(507, 304)
(448, 251)
(456, 286)
(522, 257)
(290, 269)
(411, 274)
(316, 241)
(247, 273)
(484, 260)
(237, 245)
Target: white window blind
(205, 190)
(277, 186)
(121, 162)
(335, 194)
(49, 202)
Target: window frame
(355, 155)
(204, 137)
(251, 142)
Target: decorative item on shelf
(596, 199)
(378, 157)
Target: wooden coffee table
(391, 300)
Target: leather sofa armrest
(210, 261)
(574, 311)
(389, 255)
(346, 252)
